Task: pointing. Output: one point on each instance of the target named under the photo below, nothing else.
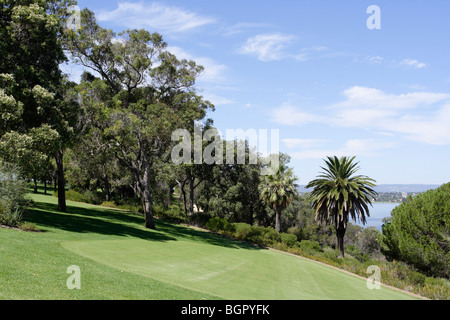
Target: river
(377, 212)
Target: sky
(334, 78)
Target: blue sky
(317, 73)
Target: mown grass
(119, 259)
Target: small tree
(12, 195)
(278, 190)
(339, 194)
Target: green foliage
(418, 232)
(242, 230)
(310, 247)
(340, 195)
(172, 214)
(278, 190)
(13, 202)
(357, 254)
(217, 224)
(86, 197)
(367, 241)
(288, 239)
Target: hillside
(120, 259)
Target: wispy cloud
(268, 47)
(374, 59)
(292, 116)
(214, 71)
(306, 53)
(416, 116)
(352, 147)
(241, 27)
(154, 16)
(302, 143)
(412, 63)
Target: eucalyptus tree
(33, 91)
(339, 194)
(278, 190)
(140, 93)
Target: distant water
(377, 212)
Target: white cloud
(302, 143)
(374, 59)
(267, 47)
(291, 116)
(214, 72)
(306, 53)
(155, 16)
(416, 116)
(352, 147)
(412, 63)
(242, 26)
(216, 100)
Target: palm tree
(338, 193)
(277, 191)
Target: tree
(141, 95)
(33, 90)
(278, 190)
(418, 232)
(339, 194)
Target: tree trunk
(148, 209)
(45, 186)
(146, 198)
(61, 182)
(277, 220)
(183, 193)
(191, 195)
(35, 190)
(340, 233)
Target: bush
(417, 232)
(288, 239)
(217, 224)
(356, 253)
(92, 197)
(310, 247)
(73, 195)
(242, 230)
(172, 214)
(200, 219)
(12, 196)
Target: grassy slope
(119, 259)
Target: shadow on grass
(205, 237)
(107, 221)
(87, 220)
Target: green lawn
(119, 259)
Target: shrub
(200, 219)
(310, 247)
(288, 239)
(73, 195)
(417, 232)
(173, 214)
(12, 196)
(92, 197)
(356, 253)
(242, 230)
(217, 224)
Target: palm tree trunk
(340, 233)
(277, 220)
